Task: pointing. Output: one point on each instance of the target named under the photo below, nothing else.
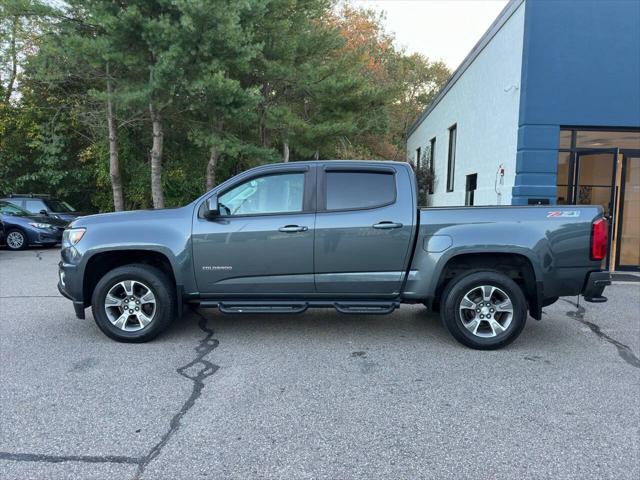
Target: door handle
(293, 229)
(387, 225)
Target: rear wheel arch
(484, 309)
(517, 266)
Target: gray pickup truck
(348, 235)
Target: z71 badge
(563, 214)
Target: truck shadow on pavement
(413, 325)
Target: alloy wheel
(130, 305)
(486, 311)
(15, 240)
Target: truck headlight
(72, 236)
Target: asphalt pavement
(313, 396)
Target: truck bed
(555, 240)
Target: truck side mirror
(212, 209)
(44, 212)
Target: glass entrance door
(601, 166)
(595, 180)
(628, 228)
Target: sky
(439, 29)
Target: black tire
(16, 232)
(156, 281)
(452, 316)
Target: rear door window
(34, 206)
(356, 190)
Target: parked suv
(22, 229)
(42, 204)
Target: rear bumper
(595, 285)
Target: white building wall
(484, 104)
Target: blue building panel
(536, 161)
(544, 137)
(581, 67)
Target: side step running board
(367, 307)
(255, 307)
(598, 299)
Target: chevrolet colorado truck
(348, 235)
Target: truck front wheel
(485, 310)
(133, 303)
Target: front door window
(281, 193)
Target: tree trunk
(285, 151)
(156, 157)
(114, 162)
(14, 61)
(214, 155)
(316, 155)
(265, 135)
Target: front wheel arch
(154, 281)
(102, 262)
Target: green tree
(193, 91)
(20, 25)
(407, 83)
(219, 45)
(312, 91)
(79, 52)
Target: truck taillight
(599, 233)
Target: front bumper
(44, 237)
(71, 287)
(595, 285)
(77, 305)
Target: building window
(418, 153)
(432, 168)
(451, 159)
(472, 184)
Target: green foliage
(238, 78)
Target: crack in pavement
(197, 370)
(32, 296)
(624, 351)
(203, 369)
(34, 457)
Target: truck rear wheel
(485, 310)
(133, 303)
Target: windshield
(7, 208)
(59, 206)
